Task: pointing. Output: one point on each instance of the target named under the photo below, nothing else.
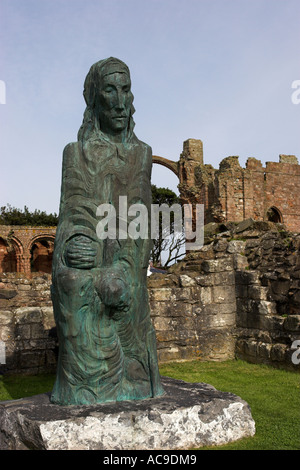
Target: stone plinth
(188, 415)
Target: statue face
(115, 102)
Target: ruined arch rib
(171, 165)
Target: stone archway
(8, 261)
(10, 255)
(41, 253)
(171, 165)
(190, 158)
(11, 252)
(185, 170)
(274, 215)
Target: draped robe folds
(107, 345)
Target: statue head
(107, 93)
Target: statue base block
(188, 416)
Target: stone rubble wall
(268, 298)
(27, 324)
(193, 312)
(234, 193)
(238, 297)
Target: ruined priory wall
(282, 189)
(268, 298)
(24, 249)
(238, 297)
(27, 326)
(233, 193)
(193, 313)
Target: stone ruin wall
(252, 191)
(238, 297)
(27, 324)
(234, 193)
(26, 249)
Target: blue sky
(216, 70)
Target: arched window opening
(41, 256)
(173, 248)
(274, 215)
(8, 257)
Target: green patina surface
(107, 346)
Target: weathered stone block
(257, 292)
(253, 320)
(162, 294)
(38, 331)
(247, 277)
(241, 319)
(167, 352)
(205, 279)
(218, 265)
(240, 347)
(264, 351)
(280, 288)
(177, 309)
(206, 295)
(187, 416)
(24, 287)
(223, 294)
(240, 262)
(6, 317)
(266, 308)
(23, 331)
(6, 333)
(51, 358)
(219, 309)
(250, 348)
(278, 352)
(224, 278)
(217, 321)
(8, 293)
(193, 266)
(217, 344)
(220, 245)
(241, 291)
(236, 246)
(159, 280)
(271, 323)
(48, 317)
(32, 359)
(244, 225)
(185, 293)
(292, 323)
(186, 281)
(28, 315)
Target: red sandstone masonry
(26, 249)
(241, 193)
(233, 193)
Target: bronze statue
(107, 345)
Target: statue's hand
(81, 253)
(114, 290)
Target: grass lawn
(273, 395)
